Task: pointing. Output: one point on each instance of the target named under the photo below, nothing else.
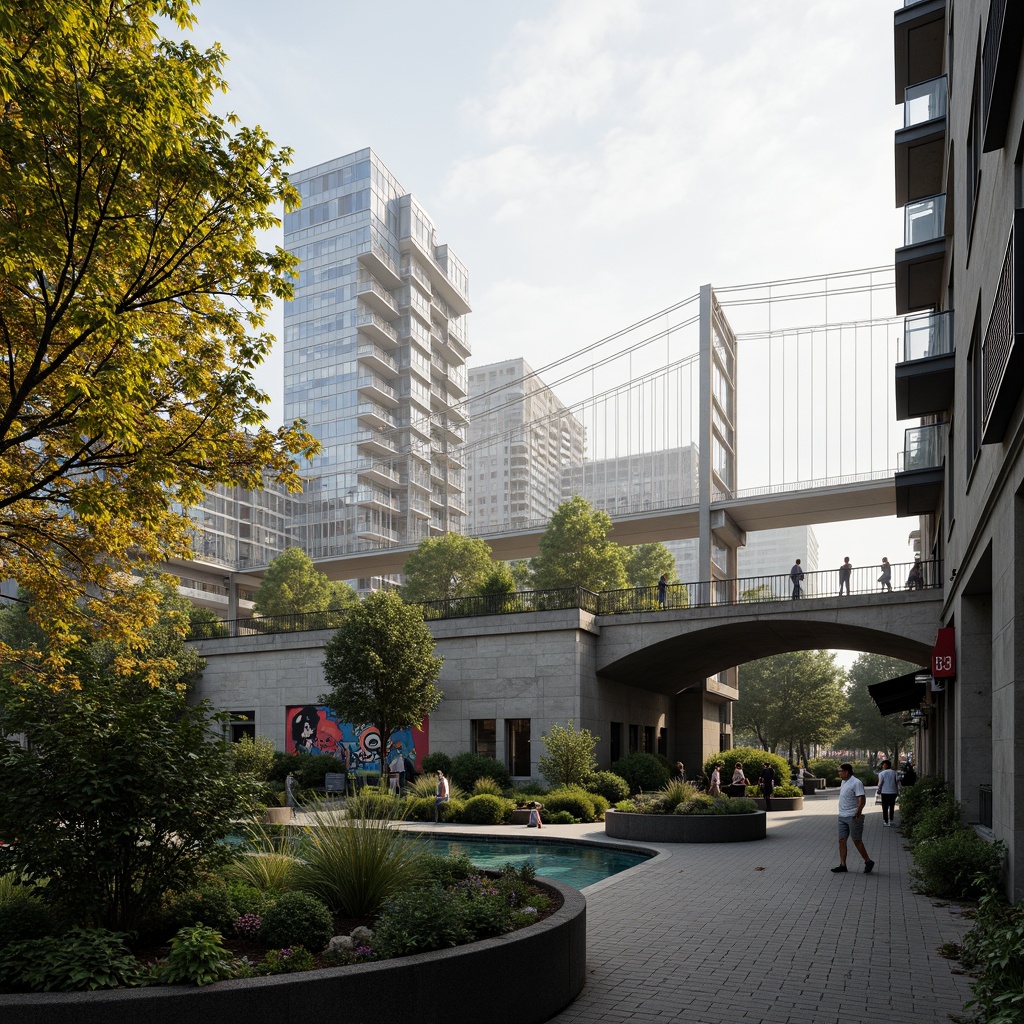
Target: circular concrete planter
(278, 815)
(781, 803)
(685, 828)
(464, 985)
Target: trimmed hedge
(642, 772)
(487, 809)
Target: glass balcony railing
(925, 101)
(926, 335)
(924, 447)
(924, 220)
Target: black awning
(899, 694)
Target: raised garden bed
(454, 985)
(686, 828)
(781, 803)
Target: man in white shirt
(888, 787)
(441, 795)
(851, 818)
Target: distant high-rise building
(374, 360)
(521, 439)
(636, 483)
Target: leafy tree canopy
(868, 729)
(446, 567)
(292, 585)
(575, 551)
(570, 759)
(645, 564)
(381, 666)
(795, 699)
(133, 294)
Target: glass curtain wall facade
(375, 344)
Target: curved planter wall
(782, 803)
(685, 828)
(464, 985)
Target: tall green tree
(645, 564)
(569, 760)
(381, 667)
(125, 788)
(575, 551)
(445, 567)
(793, 700)
(868, 728)
(292, 585)
(133, 294)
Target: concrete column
(970, 697)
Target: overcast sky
(595, 161)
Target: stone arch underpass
(669, 651)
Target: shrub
(917, 799)
(24, 915)
(446, 871)
(308, 769)
(254, 757)
(248, 899)
(826, 768)
(752, 759)
(297, 919)
(578, 802)
(703, 803)
(569, 759)
(642, 772)
(560, 818)
(287, 961)
(207, 903)
(786, 790)
(419, 921)
(356, 865)
(197, 955)
(248, 926)
(438, 762)
(452, 810)
(418, 808)
(600, 805)
(82, 959)
(994, 954)
(486, 809)
(487, 785)
(467, 768)
(956, 866)
(529, 789)
(609, 785)
(941, 818)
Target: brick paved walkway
(764, 932)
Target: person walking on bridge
(845, 572)
(796, 574)
(886, 578)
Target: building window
(517, 746)
(648, 739)
(663, 741)
(484, 736)
(615, 741)
(975, 395)
(634, 738)
(239, 724)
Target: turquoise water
(575, 864)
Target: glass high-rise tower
(375, 347)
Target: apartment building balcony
(417, 306)
(440, 308)
(438, 497)
(1002, 351)
(457, 412)
(376, 498)
(374, 416)
(376, 442)
(377, 472)
(375, 295)
(445, 430)
(375, 358)
(919, 42)
(412, 271)
(1000, 60)
(369, 530)
(377, 261)
(456, 506)
(413, 505)
(377, 390)
(925, 377)
(920, 479)
(376, 328)
(920, 262)
(457, 340)
(921, 142)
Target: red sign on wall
(944, 654)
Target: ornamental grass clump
(356, 865)
(674, 793)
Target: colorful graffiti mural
(314, 729)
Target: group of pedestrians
(915, 579)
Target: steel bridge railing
(823, 583)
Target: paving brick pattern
(764, 932)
